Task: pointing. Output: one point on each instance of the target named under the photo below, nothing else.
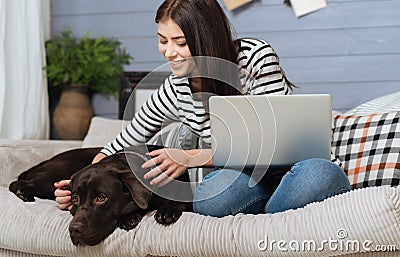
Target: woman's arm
(159, 108)
(199, 158)
(99, 157)
(261, 64)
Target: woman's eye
(101, 199)
(163, 42)
(182, 44)
(75, 199)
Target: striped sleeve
(158, 111)
(261, 66)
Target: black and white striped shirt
(174, 100)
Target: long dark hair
(208, 33)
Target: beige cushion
(103, 131)
(16, 156)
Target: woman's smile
(176, 64)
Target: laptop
(270, 130)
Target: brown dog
(104, 196)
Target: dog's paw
(130, 221)
(167, 216)
(25, 196)
(20, 189)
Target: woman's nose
(170, 52)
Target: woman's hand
(63, 197)
(172, 163)
(99, 157)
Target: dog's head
(101, 194)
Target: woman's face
(172, 45)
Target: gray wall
(350, 49)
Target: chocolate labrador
(105, 195)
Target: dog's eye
(75, 199)
(100, 199)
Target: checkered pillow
(369, 148)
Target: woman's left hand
(170, 164)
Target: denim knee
(226, 192)
(324, 174)
(308, 181)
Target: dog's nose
(76, 227)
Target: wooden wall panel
(252, 20)
(349, 49)
(88, 7)
(336, 42)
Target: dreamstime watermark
(340, 243)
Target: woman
(188, 29)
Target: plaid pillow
(369, 148)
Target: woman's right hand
(63, 196)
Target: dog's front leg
(131, 220)
(171, 212)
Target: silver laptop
(264, 131)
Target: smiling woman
(196, 40)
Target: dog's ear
(70, 186)
(73, 210)
(73, 180)
(140, 194)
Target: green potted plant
(78, 66)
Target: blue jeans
(227, 192)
